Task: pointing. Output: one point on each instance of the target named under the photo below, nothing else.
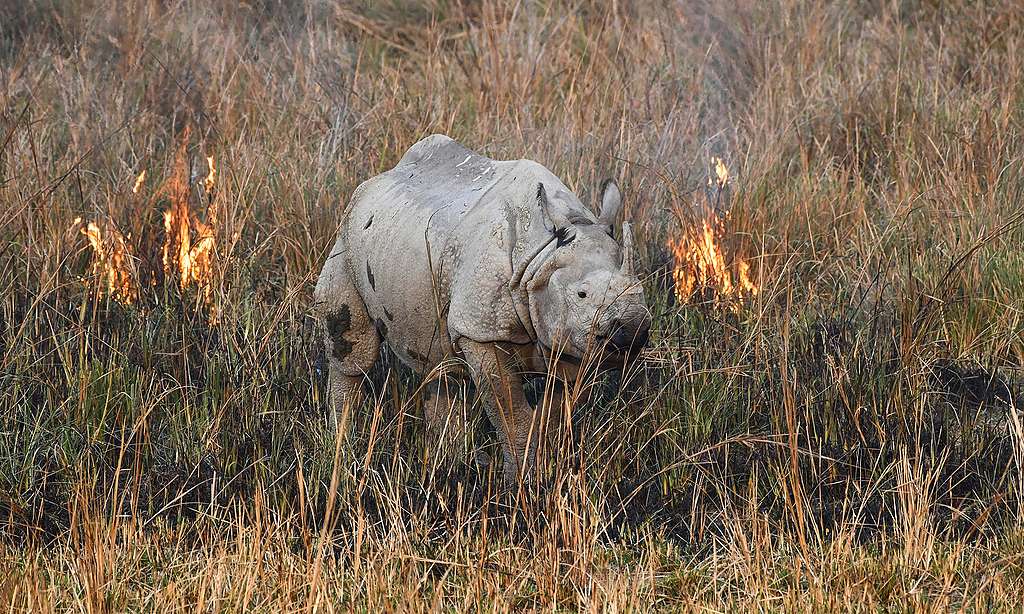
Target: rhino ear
(554, 221)
(611, 202)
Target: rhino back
(440, 218)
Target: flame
(721, 172)
(111, 261)
(189, 243)
(700, 261)
(211, 175)
(189, 247)
(138, 182)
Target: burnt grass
(960, 434)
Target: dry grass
(847, 440)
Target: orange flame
(211, 175)
(189, 245)
(700, 262)
(138, 182)
(111, 261)
(721, 173)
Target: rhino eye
(581, 294)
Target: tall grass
(849, 439)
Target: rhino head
(581, 289)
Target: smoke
(719, 38)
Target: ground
(846, 438)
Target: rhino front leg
(498, 377)
(445, 415)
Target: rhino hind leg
(351, 340)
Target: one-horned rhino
(495, 264)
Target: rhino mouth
(614, 357)
(562, 355)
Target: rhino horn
(627, 249)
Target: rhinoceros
(455, 258)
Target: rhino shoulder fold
(482, 307)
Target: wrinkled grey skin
(495, 266)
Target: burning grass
(189, 249)
(702, 265)
(113, 265)
(189, 246)
(845, 434)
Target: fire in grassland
(189, 250)
(139, 181)
(721, 173)
(211, 175)
(113, 265)
(702, 264)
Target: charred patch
(369, 276)
(382, 328)
(338, 323)
(368, 222)
(387, 314)
(974, 385)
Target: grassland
(848, 439)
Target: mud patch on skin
(338, 323)
(369, 276)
